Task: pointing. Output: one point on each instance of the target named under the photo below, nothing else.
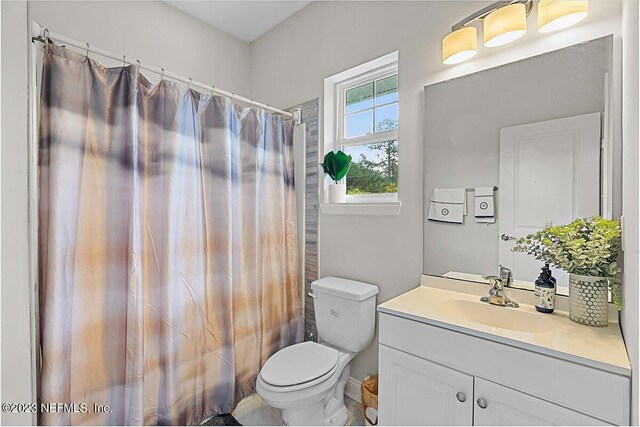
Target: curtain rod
(44, 34)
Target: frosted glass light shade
(557, 14)
(459, 45)
(505, 25)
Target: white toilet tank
(345, 312)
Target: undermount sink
(495, 316)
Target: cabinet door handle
(461, 396)
(482, 403)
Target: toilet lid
(299, 364)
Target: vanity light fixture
(506, 21)
(505, 25)
(459, 45)
(558, 14)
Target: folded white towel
(448, 205)
(485, 206)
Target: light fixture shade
(557, 14)
(459, 45)
(505, 25)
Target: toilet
(307, 380)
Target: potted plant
(587, 248)
(336, 165)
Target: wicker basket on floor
(369, 396)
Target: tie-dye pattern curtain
(168, 250)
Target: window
(360, 109)
(367, 129)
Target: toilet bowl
(310, 387)
(307, 380)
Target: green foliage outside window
(368, 176)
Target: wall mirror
(522, 143)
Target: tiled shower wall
(310, 119)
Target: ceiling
(246, 20)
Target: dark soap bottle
(545, 292)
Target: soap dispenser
(545, 291)
(548, 270)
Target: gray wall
(630, 112)
(16, 325)
(156, 34)
(463, 118)
(290, 62)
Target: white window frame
(341, 90)
(334, 125)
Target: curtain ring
(124, 60)
(46, 36)
(190, 83)
(213, 90)
(139, 64)
(162, 75)
(87, 51)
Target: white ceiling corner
(244, 19)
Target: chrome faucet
(497, 295)
(507, 276)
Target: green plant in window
(336, 165)
(586, 246)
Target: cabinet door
(414, 391)
(496, 405)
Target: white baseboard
(352, 389)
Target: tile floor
(252, 411)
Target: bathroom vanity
(448, 359)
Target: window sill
(379, 208)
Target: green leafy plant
(336, 165)
(586, 246)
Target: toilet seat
(303, 364)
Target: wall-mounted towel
(448, 205)
(485, 206)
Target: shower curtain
(168, 249)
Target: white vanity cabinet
(496, 405)
(415, 391)
(433, 375)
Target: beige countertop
(550, 334)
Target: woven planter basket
(369, 396)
